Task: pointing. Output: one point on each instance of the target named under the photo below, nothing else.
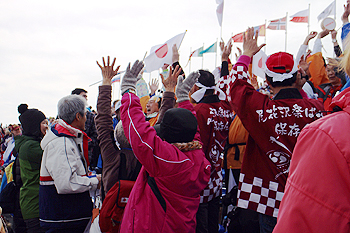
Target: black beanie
(30, 120)
(178, 125)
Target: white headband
(198, 95)
(277, 77)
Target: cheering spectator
(273, 127)
(34, 124)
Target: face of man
(83, 94)
(334, 80)
(151, 107)
(81, 121)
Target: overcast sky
(48, 48)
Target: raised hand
(222, 45)
(176, 56)
(153, 85)
(108, 71)
(334, 34)
(323, 33)
(309, 37)
(183, 87)
(346, 13)
(226, 52)
(303, 64)
(170, 82)
(239, 53)
(254, 82)
(131, 76)
(250, 43)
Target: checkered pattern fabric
(240, 73)
(225, 81)
(259, 195)
(214, 187)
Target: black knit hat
(30, 120)
(206, 78)
(178, 125)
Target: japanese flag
(162, 54)
(220, 10)
(258, 65)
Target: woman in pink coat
(165, 197)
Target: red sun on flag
(260, 63)
(162, 51)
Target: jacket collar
(62, 129)
(210, 99)
(342, 100)
(288, 93)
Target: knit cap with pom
(30, 120)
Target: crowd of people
(207, 152)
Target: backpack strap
(327, 93)
(153, 185)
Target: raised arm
(182, 90)
(153, 86)
(175, 60)
(104, 125)
(168, 100)
(318, 43)
(226, 51)
(345, 20)
(337, 49)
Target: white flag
(330, 10)
(278, 24)
(258, 64)
(300, 17)
(220, 10)
(162, 54)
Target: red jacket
(273, 127)
(317, 195)
(180, 176)
(214, 118)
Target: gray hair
(120, 137)
(69, 106)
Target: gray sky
(48, 48)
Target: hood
(62, 129)
(20, 140)
(342, 100)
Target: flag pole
(182, 39)
(265, 37)
(231, 47)
(285, 45)
(308, 22)
(335, 9)
(189, 68)
(144, 56)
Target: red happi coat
(214, 118)
(273, 127)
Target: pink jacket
(180, 176)
(317, 195)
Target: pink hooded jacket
(180, 176)
(317, 195)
